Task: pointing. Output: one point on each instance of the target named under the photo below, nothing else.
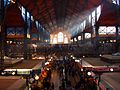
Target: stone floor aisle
(55, 80)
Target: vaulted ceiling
(59, 14)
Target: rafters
(53, 14)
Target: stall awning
(110, 15)
(13, 17)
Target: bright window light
(79, 37)
(60, 37)
(84, 24)
(32, 18)
(87, 35)
(98, 11)
(66, 40)
(75, 39)
(89, 18)
(102, 30)
(23, 11)
(119, 30)
(28, 14)
(71, 40)
(110, 30)
(55, 40)
(107, 30)
(93, 17)
(115, 1)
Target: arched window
(54, 40)
(60, 37)
(66, 40)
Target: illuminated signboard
(23, 71)
(19, 71)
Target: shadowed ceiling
(57, 15)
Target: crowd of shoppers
(70, 75)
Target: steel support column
(92, 35)
(25, 37)
(1, 34)
(83, 37)
(97, 41)
(30, 53)
(117, 40)
(37, 31)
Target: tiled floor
(55, 79)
